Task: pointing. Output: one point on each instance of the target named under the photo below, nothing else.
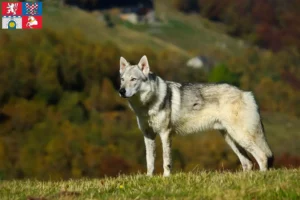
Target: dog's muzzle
(122, 92)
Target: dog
(165, 107)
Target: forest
(270, 24)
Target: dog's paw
(150, 174)
(167, 174)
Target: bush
(221, 73)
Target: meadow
(61, 116)
(274, 184)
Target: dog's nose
(122, 91)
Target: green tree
(221, 73)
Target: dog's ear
(123, 64)
(144, 65)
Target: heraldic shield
(22, 15)
(11, 22)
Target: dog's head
(133, 77)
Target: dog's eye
(122, 79)
(133, 79)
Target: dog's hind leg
(150, 152)
(263, 148)
(260, 156)
(239, 151)
(254, 144)
(246, 129)
(262, 153)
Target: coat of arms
(31, 8)
(12, 8)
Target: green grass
(274, 184)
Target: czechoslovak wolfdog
(165, 107)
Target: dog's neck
(148, 94)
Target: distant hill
(107, 4)
(186, 34)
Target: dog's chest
(155, 120)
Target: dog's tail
(264, 145)
(255, 125)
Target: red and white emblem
(12, 8)
(31, 22)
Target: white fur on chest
(157, 121)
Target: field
(274, 184)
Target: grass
(95, 29)
(274, 184)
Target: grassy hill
(274, 184)
(94, 28)
(187, 35)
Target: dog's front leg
(150, 152)
(167, 157)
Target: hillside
(187, 35)
(95, 29)
(272, 185)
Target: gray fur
(166, 107)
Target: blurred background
(61, 116)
